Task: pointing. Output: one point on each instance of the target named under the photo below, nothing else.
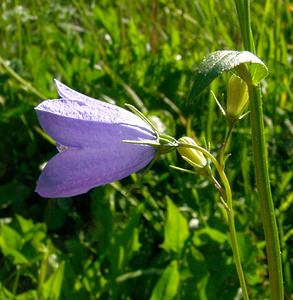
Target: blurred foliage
(159, 234)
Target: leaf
(52, 288)
(226, 60)
(167, 286)
(11, 243)
(214, 234)
(28, 295)
(126, 242)
(196, 286)
(176, 229)
(4, 293)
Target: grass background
(122, 241)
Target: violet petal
(76, 123)
(89, 134)
(76, 171)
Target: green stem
(230, 213)
(42, 274)
(224, 145)
(16, 281)
(261, 164)
(265, 196)
(233, 235)
(243, 12)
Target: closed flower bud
(193, 156)
(237, 97)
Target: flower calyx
(163, 143)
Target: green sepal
(183, 170)
(163, 142)
(226, 60)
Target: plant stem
(224, 145)
(265, 196)
(42, 275)
(16, 281)
(243, 12)
(261, 164)
(233, 235)
(230, 213)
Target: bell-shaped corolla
(89, 135)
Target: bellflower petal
(75, 171)
(68, 93)
(89, 134)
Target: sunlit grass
(107, 244)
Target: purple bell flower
(89, 134)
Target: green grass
(117, 241)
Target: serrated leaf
(167, 286)
(226, 60)
(176, 229)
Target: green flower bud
(191, 155)
(237, 96)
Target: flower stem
(233, 235)
(265, 196)
(261, 164)
(230, 213)
(224, 145)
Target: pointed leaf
(167, 286)
(11, 243)
(221, 61)
(176, 229)
(126, 242)
(52, 288)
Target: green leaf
(226, 60)
(11, 243)
(126, 242)
(214, 234)
(4, 293)
(28, 295)
(176, 229)
(196, 287)
(52, 288)
(167, 286)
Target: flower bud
(194, 156)
(237, 96)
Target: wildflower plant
(99, 143)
